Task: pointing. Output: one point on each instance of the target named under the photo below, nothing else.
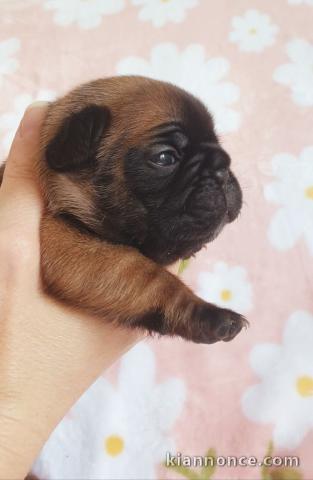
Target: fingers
(20, 200)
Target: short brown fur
(116, 282)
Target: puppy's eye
(165, 159)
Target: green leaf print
(183, 265)
(278, 473)
(205, 473)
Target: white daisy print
(86, 13)
(160, 12)
(191, 70)
(253, 32)
(8, 63)
(227, 287)
(292, 191)
(298, 74)
(284, 398)
(10, 121)
(299, 2)
(120, 432)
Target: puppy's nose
(219, 164)
(220, 160)
(221, 175)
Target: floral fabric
(251, 63)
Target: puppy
(134, 178)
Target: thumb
(20, 199)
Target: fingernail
(39, 103)
(31, 118)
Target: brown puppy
(134, 178)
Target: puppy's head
(136, 161)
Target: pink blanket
(170, 408)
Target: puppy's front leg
(120, 284)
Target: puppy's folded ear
(76, 142)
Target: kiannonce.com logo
(179, 460)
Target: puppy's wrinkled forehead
(161, 109)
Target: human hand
(49, 353)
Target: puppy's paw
(215, 324)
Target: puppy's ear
(76, 142)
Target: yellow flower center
(304, 386)
(226, 295)
(114, 445)
(309, 192)
(252, 31)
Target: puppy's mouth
(233, 196)
(213, 203)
